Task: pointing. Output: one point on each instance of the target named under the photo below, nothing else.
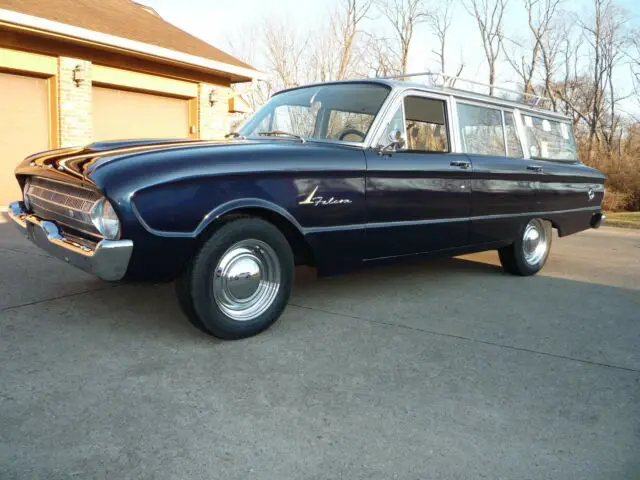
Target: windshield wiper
(235, 135)
(280, 132)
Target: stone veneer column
(75, 109)
(213, 121)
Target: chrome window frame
(394, 101)
(488, 106)
(558, 119)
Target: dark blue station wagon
(334, 175)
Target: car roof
(460, 94)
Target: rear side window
(481, 130)
(549, 139)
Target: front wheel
(239, 282)
(528, 254)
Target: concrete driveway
(447, 369)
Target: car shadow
(467, 296)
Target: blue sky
(219, 23)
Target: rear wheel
(239, 282)
(528, 254)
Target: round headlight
(105, 219)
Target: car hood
(79, 162)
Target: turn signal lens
(105, 219)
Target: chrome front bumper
(107, 260)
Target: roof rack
(441, 80)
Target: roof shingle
(122, 18)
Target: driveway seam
(16, 250)
(469, 339)
(76, 294)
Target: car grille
(67, 205)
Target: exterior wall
(71, 105)
(213, 120)
(45, 66)
(75, 117)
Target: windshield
(338, 112)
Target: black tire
(195, 289)
(513, 258)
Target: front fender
(216, 213)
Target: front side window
(426, 125)
(337, 112)
(419, 125)
(481, 130)
(549, 139)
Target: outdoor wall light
(212, 97)
(78, 75)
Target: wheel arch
(554, 223)
(272, 213)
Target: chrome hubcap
(246, 280)
(535, 242)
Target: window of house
(549, 139)
(481, 130)
(514, 147)
(420, 126)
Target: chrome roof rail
(450, 82)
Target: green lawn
(623, 219)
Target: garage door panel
(122, 114)
(24, 126)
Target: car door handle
(460, 163)
(535, 168)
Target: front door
(418, 193)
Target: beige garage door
(24, 126)
(120, 114)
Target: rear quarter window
(549, 139)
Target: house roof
(125, 19)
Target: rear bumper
(108, 259)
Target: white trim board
(21, 19)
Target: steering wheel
(351, 131)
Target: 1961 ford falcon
(334, 175)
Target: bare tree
(540, 18)
(246, 46)
(439, 22)
(635, 60)
(285, 51)
(607, 38)
(334, 48)
(565, 85)
(489, 15)
(404, 16)
(345, 27)
(380, 60)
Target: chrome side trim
(412, 223)
(107, 259)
